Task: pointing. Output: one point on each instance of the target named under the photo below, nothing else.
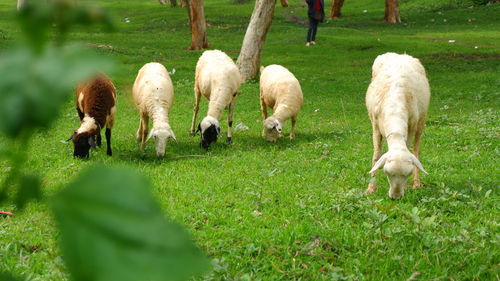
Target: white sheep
(279, 90)
(397, 101)
(153, 95)
(218, 79)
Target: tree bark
(335, 12)
(392, 11)
(255, 36)
(198, 25)
(284, 3)
(163, 2)
(173, 3)
(20, 4)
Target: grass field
(295, 209)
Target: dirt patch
(459, 56)
(289, 15)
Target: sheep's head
(398, 165)
(379, 62)
(272, 129)
(210, 129)
(82, 143)
(161, 137)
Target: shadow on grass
(189, 149)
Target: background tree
(198, 24)
(336, 8)
(392, 11)
(20, 4)
(255, 36)
(284, 3)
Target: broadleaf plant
(111, 229)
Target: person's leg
(310, 30)
(314, 29)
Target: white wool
(218, 79)
(153, 94)
(281, 91)
(209, 121)
(397, 101)
(88, 123)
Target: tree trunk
(335, 12)
(255, 36)
(183, 4)
(284, 3)
(173, 3)
(163, 2)
(392, 11)
(198, 25)
(20, 4)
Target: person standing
(316, 14)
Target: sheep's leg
(138, 135)
(108, 142)
(263, 108)
(292, 131)
(99, 140)
(377, 149)
(230, 121)
(416, 152)
(80, 113)
(143, 130)
(197, 96)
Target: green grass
(295, 210)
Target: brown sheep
(96, 106)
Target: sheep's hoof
(396, 196)
(369, 191)
(372, 187)
(417, 184)
(228, 140)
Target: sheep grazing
(96, 106)
(153, 95)
(397, 101)
(218, 79)
(279, 90)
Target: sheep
(153, 94)
(218, 79)
(96, 107)
(397, 101)
(280, 90)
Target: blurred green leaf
(29, 189)
(7, 277)
(112, 229)
(33, 86)
(38, 17)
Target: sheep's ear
(379, 163)
(172, 135)
(71, 137)
(92, 142)
(417, 163)
(278, 127)
(150, 134)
